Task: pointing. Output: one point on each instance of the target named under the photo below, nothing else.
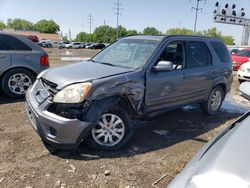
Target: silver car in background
(74, 45)
(20, 61)
(224, 161)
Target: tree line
(105, 33)
(43, 26)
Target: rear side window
(12, 43)
(199, 55)
(221, 52)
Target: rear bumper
(58, 131)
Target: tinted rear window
(221, 52)
(12, 43)
(199, 55)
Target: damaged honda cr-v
(136, 77)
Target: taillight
(44, 61)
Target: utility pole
(117, 9)
(69, 35)
(197, 9)
(90, 21)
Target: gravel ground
(160, 147)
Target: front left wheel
(112, 132)
(16, 82)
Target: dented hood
(81, 72)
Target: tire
(126, 130)
(214, 102)
(15, 82)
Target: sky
(135, 14)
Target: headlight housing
(74, 93)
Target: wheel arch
(97, 108)
(17, 67)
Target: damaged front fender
(126, 88)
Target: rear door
(21, 54)
(199, 69)
(5, 57)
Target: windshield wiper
(110, 64)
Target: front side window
(199, 55)
(127, 53)
(174, 52)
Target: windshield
(127, 53)
(245, 53)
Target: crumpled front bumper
(59, 131)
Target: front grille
(50, 87)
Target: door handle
(2, 56)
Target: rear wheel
(214, 102)
(113, 130)
(16, 82)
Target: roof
(52, 37)
(147, 37)
(161, 37)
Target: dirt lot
(160, 147)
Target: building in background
(48, 36)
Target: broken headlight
(74, 93)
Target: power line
(117, 10)
(90, 21)
(197, 9)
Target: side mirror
(163, 66)
(245, 90)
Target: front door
(168, 88)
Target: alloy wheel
(109, 131)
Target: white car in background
(74, 45)
(243, 73)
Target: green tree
(47, 26)
(82, 37)
(151, 31)
(213, 32)
(229, 40)
(20, 24)
(2, 25)
(132, 32)
(177, 31)
(104, 33)
(122, 31)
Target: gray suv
(136, 77)
(20, 61)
